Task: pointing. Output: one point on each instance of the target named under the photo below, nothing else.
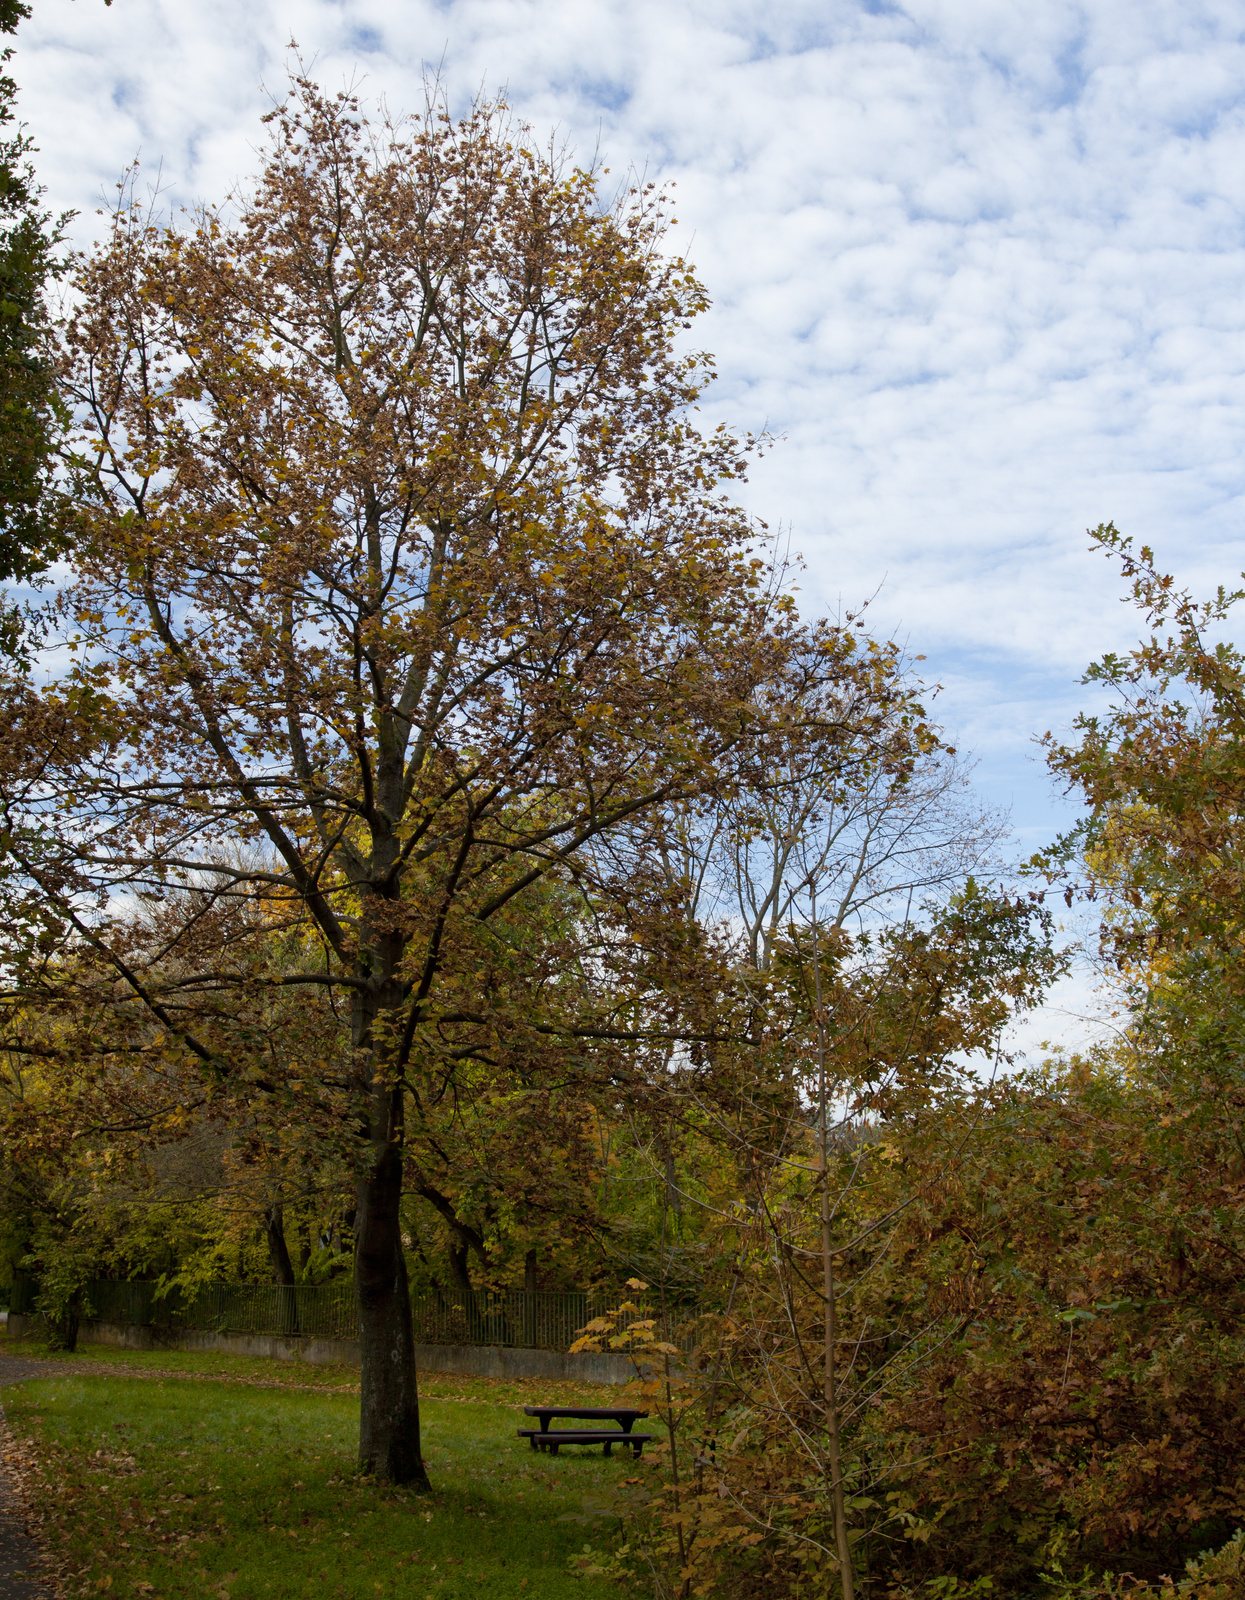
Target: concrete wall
(471, 1361)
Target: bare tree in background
(869, 976)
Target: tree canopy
(407, 585)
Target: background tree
(1163, 843)
(858, 980)
(32, 513)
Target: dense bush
(1042, 1367)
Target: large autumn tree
(408, 583)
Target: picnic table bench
(547, 1438)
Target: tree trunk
(278, 1250)
(529, 1299)
(472, 1320)
(282, 1268)
(830, 1386)
(674, 1195)
(304, 1248)
(389, 1410)
(63, 1327)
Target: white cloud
(980, 263)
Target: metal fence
(528, 1319)
(319, 1311)
(518, 1318)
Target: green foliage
(1162, 846)
(1219, 1575)
(65, 1262)
(32, 416)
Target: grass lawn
(272, 1373)
(194, 1363)
(198, 1486)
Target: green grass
(198, 1363)
(270, 1373)
(181, 1487)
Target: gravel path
(18, 1551)
(16, 1369)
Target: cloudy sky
(980, 264)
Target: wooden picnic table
(547, 1438)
